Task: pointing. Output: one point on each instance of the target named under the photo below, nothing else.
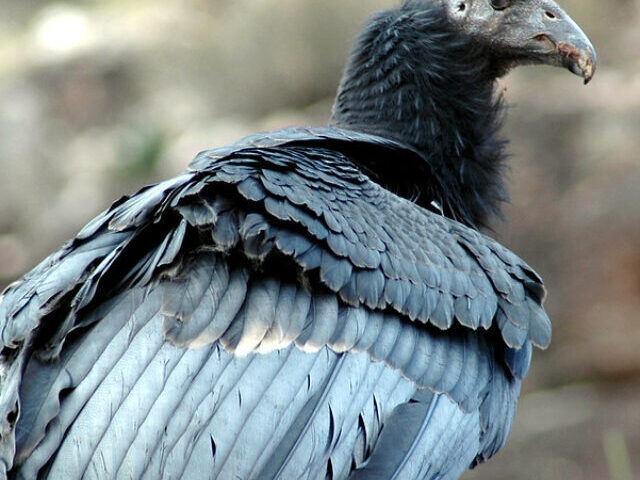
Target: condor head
(520, 32)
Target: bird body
(284, 308)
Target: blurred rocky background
(98, 98)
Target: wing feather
(273, 276)
(436, 426)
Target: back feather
(300, 310)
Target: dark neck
(413, 79)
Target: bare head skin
(425, 74)
(521, 32)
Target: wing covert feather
(178, 282)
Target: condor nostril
(550, 15)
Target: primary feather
(283, 309)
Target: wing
(263, 316)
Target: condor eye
(500, 4)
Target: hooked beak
(535, 32)
(555, 39)
(565, 44)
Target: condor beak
(535, 32)
(555, 39)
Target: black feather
(319, 299)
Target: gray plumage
(288, 307)
(140, 306)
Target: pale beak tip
(581, 60)
(588, 67)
